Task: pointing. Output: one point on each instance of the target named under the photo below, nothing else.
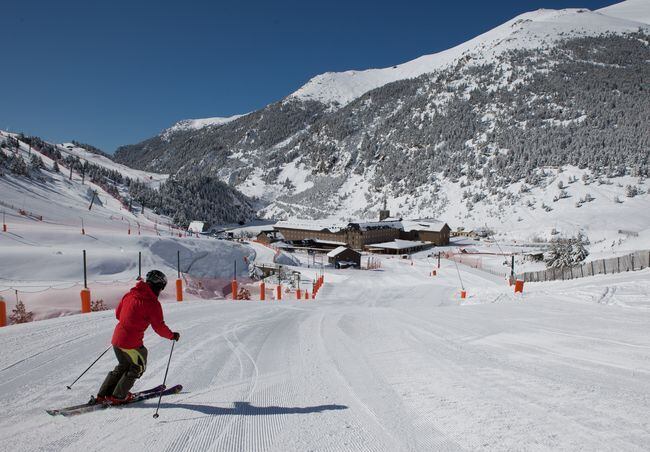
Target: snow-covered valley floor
(382, 360)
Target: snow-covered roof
(330, 242)
(367, 225)
(332, 226)
(196, 226)
(425, 224)
(283, 245)
(335, 252)
(311, 225)
(272, 232)
(399, 244)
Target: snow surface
(383, 360)
(196, 124)
(536, 29)
(152, 179)
(399, 244)
(634, 10)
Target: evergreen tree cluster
(566, 253)
(47, 149)
(195, 198)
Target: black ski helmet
(157, 279)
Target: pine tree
(631, 191)
(18, 166)
(554, 254)
(578, 251)
(36, 162)
(566, 253)
(20, 314)
(98, 305)
(559, 255)
(55, 167)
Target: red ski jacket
(138, 309)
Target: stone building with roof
(358, 235)
(344, 256)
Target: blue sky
(116, 72)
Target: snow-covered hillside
(182, 198)
(537, 29)
(149, 178)
(196, 124)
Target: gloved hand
(176, 337)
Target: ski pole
(84, 372)
(155, 415)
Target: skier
(138, 309)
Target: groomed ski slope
(383, 361)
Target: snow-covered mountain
(481, 133)
(196, 124)
(532, 30)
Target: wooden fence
(630, 262)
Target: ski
(139, 396)
(87, 404)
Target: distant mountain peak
(534, 29)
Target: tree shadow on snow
(246, 409)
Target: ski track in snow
(384, 360)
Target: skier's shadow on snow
(246, 409)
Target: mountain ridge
(457, 143)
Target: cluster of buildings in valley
(344, 241)
(389, 235)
